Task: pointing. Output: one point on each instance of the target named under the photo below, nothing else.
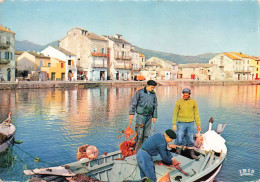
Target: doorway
(102, 75)
(52, 76)
(8, 74)
(117, 76)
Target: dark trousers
(145, 164)
(143, 128)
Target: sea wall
(89, 84)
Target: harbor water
(53, 123)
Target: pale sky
(178, 26)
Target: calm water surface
(53, 123)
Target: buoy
(36, 159)
(18, 141)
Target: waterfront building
(91, 51)
(7, 54)
(30, 63)
(63, 56)
(142, 60)
(198, 71)
(255, 62)
(235, 65)
(55, 69)
(159, 69)
(136, 66)
(120, 60)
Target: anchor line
(11, 148)
(35, 157)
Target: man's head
(169, 135)
(186, 93)
(151, 84)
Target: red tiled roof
(5, 29)
(240, 54)
(255, 58)
(231, 56)
(141, 55)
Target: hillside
(29, 46)
(176, 58)
(179, 59)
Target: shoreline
(89, 84)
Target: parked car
(139, 78)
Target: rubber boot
(178, 150)
(193, 155)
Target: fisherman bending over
(154, 145)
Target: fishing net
(128, 146)
(199, 140)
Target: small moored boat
(7, 130)
(114, 167)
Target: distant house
(142, 60)
(55, 69)
(235, 65)
(29, 63)
(91, 51)
(159, 69)
(64, 57)
(7, 54)
(120, 60)
(197, 71)
(255, 62)
(136, 65)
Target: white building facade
(66, 56)
(7, 54)
(120, 60)
(136, 66)
(91, 51)
(236, 66)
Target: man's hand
(175, 162)
(131, 117)
(174, 127)
(198, 128)
(154, 120)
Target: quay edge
(89, 84)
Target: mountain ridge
(26, 45)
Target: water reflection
(52, 123)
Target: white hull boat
(114, 167)
(7, 131)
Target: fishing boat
(7, 131)
(114, 167)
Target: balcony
(5, 45)
(70, 67)
(99, 54)
(123, 57)
(99, 65)
(4, 61)
(125, 67)
(242, 71)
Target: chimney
(119, 36)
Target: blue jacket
(155, 145)
(144, 103)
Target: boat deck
(112, 167)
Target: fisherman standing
(154, 145)
(186, 112)
(144, 103)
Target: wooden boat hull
(110, 167)
(9, 131)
